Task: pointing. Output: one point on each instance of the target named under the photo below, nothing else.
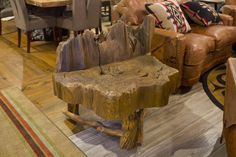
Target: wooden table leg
(73, 108)
(132, 127)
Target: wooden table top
(213, 1)
(49, 3)
(122, 89)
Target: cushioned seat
(197, 48)
(6, 12)
(36, 22)
(224, 36)
(28, 23)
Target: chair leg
(100, 25)
(76, 33)
(60, 34)
(19, 36)
(73, 108)
(44, 32)
(28, 41)
(55, 35)
(109, 7)
(0, 26)
(97, 30)
(80, 32)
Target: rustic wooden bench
(122, 92)
(127, 81)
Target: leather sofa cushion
(197, 48)
(224, 35)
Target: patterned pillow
(201, 13)
(169, 16)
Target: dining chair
(106, 9)
(5, 11)
(29, 22)
(85, 14)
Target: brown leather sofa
(192, 53)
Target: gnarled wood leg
(73, 108)
(132, 127)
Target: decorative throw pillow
(201, 13)
(169, 16)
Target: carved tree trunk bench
(130, 79)
(120, 93)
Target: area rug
(214, 84)
(26, 131)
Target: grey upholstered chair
(85, 14)
(5, 11)
(27, 22)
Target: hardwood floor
(189, 126)
(32, 74)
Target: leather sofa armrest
(230, 10)
(227, 19)
(169, 47)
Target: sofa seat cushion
(224, 35)
(197, 48)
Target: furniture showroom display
(114, 91)
(192, 53)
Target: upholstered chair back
(86, 14)
(20, 13)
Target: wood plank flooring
(189, 126)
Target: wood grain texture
(123, 88)
(97, 125)
(229, 108)
(49, 3)
(122, 42)
(189, 126)
(119, 90)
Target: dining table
(49, 3)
